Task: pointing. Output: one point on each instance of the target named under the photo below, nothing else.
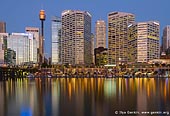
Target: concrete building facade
(100, 33)
(76, 37)
(143, 41)
(166, 38)
(118, 37)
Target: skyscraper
(2, 27)
(3, 47)
(117, 36)
(92, 48)
(19, 42)
(166, 38)
(76, 37)
(56, 39)
(143, 41)
(100, 34)
(35, 40)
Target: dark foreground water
(85, 97)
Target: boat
(30, 75)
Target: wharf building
(118, 36)
(143, 41)
(76, 37)
(56, 40)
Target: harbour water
(84, 96)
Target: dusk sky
(19, 14)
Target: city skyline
(17, 18)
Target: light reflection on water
(83, 96)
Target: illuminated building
(76, 37)
(56, 39)
(101, 56)
(100, 34)
(2, 27)
(36, 37)
(166, 38)
(143, 41)
(117, 36)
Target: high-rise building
(143, 41)
(56, 40)
(34, 40)
(117, 36)
(2, 27)
(3, 47)
(76, 37)
(20, 43)
(92, 48)
(166, 38)
(100, 33)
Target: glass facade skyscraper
(56, 40)
(19, 42)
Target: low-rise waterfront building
(101, 56)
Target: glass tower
(19, 42)
(56, 39)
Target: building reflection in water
(82, 96)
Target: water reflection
(82, 96)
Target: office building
(166, 38)
(117, 36)
(56, 40)
(20, 43)
(3, 47)
(101, 56)
(100, 34)
(92, 48)
(36, 38)
(76, 37)
(2, 27)
(143, 41)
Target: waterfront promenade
(102, 72)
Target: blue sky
(21, 13)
